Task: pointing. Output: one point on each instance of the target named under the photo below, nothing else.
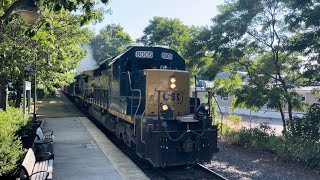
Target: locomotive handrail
(134, 90)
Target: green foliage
(85, 9)
(290, 148)
(225, 130)
(235, 120)
(189, 42)
(304, 23)
(11, 103)
(58, 39)
(307, 127)
(110, 42)
(253, 36)
(166, 31)
(56, 36)
(11, 151)
(228, 85)
(255, 137)
(195, 52)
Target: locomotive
(142, 96)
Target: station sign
(27, 85)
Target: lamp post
(30, 13)
(35, 89)
(34, 63)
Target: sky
(134, 15)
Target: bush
(224, 129)
(235, 120)
(251, 137)
(288, 147)
(307, 127)
(11, 151)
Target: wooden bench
(33, 169)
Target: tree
(110, 42)
(196, 53)
(303, 18)
(166, 31)
(189, 42)
(59, 44)
(253, 35)
(86, 13)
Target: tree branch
(248, 70)
(8, 12)
(260, 40)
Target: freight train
(142, 96)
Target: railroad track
(196, 171)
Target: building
(306, 95)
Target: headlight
(164, 107)
(172, 86)
(206, 107)
(173, 80)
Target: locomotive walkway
(81, 150)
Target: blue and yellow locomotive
(142, 95)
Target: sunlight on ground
(57, 107)
(55, 102)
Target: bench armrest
(43, 141)
(49, 137)
(44, 132)
(40, 172)
(45, 156)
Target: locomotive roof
(156, 53)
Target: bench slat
(50, 168)
(40, 166)
(29, 161)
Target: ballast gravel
(236, 162)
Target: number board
(168, 56)
(144, 54)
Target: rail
(218, 176)
(193, 172)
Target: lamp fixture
(29, 11)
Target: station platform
(82, 151)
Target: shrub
(288, 147)
(224, 129)
(307, 127)
(11, 150)
(251, 137)
(235, 120)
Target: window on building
(225, 97)
(302, 98)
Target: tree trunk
(290, 112)
(4, 94)
(18, 97)
(282, 118)
(290, 109)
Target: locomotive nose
(170, 87)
